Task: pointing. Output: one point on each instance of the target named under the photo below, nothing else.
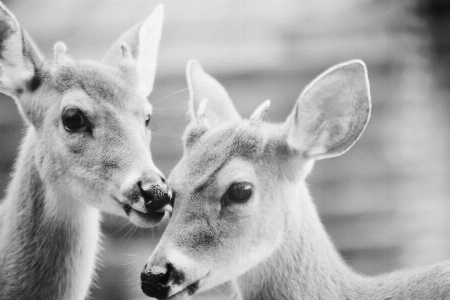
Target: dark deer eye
(240, 192)
(147, 120)
(73, 119)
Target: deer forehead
(101, 83)
(262, 145)
(239, 152)
(216, 147)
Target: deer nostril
(176, 276)
(152, 288)
(155, 196)
(155, 282)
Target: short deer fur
(87, 148)
(242, 211)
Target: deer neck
(44, 252)
(306, 264)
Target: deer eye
(73, 119)
(240, 192)
(147, 120)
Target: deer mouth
(143, 219)
(170, 286)
(185, 293)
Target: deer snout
(169, 273)
(148, 193)
(155, 196)
(159, 281)
(146, 199)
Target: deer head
(239, 179)
(90, 120)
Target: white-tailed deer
(87, 149)
(242, 211)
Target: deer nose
(157, 281)
(156, 195)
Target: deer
(86, 150)
(242, 213)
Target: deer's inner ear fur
(332, 112)
(20, 59)
(20, 66)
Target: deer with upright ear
(242, 211)
(86, 150)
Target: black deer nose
(156, 281)
(156, 195)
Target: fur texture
(44, 256)
(64, 176)
(271, 245)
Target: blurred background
(385, 203)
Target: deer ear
(332, 112)
(218, 108)
(141, 43)
(20, 59)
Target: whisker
(123, 226)
(131, 254)
(130, 234)
(160, 99)
(222, 294)
(159, 109)
(155, 126)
